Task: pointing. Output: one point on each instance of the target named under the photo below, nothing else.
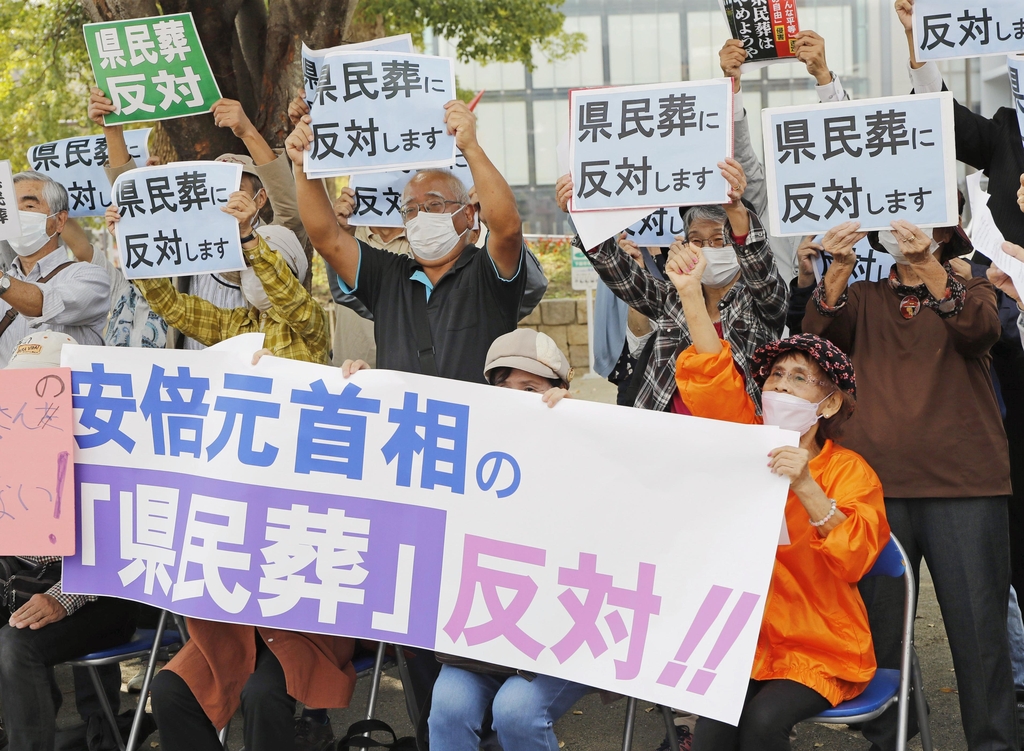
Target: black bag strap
(424, 341)
(11, 314)
(358, 736)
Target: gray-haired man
(43, 289)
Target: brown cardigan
(218, 659)
(927, 420)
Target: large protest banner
(379, 194)
(77, 164)
(10, 221)
(375, 111)
(952, 29)
(313, 60)
(446, 515)
(172, 223)
(649, 146)
(151, 68)
(870, 161)
(37, 475)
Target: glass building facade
(525, 114)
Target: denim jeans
(524, 711)
(1015, 630)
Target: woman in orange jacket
(814, 650)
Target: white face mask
(888, 241)
(252, 290)
(789, 412)
(33, 233)
(432, 236)
(722, 266)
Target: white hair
(55, 194)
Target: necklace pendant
(910, 306)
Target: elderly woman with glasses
(742, 290)
(814, 650)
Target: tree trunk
(254, 54)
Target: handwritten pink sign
(37, 508)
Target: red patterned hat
(836, 364)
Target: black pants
(28, 690)
(267, 709)
(770, 711)
(966, 545)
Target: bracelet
(248, 238)
(829, 515)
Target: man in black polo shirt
(471, 295)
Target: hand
(299, 141)
(1020, 194)
(791, 462)
(685, 266)
(808, 252)
(260, 354)
(733, 172)
(905, 12)
(41, 610)
(461, 124)
(349, 367)
(630, 248)
(99, 106)
(554, 395)
(810, 50)
(112, 217)
(344, 207)
(731, 57)
(914, 244)
(241, 206)
(838, 242)
(154, 161)
(227, 113)
(297, 107)
(563, 191)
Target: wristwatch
(5, 283)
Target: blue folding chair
(890, 687)
(154, 643)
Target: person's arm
(228, 113)
(684, 268)
(338, 248)
(809, 48)
(117, 149)
(75, 238)
(79, 293)
(280, 186)
(767, 288)
(192, 316)
(497, 201)
(832, 310)
(711, 386)
(287, 295)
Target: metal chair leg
(920, 705)
(179, 622)
(411, 705)
(670, 727)
(627, 730)
(147, 680)
(108, 711)
(378, 666)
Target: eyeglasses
(797, 379)
(714, 242)
(435, 206)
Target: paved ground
(596, 727)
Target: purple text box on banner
(227, 551)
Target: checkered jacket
(71, 603)
(753, 312)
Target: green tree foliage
(44, 74)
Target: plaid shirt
(71, 603)
(295, 325)
(753, 312)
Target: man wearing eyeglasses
(468, 296)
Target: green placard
(151, 68)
